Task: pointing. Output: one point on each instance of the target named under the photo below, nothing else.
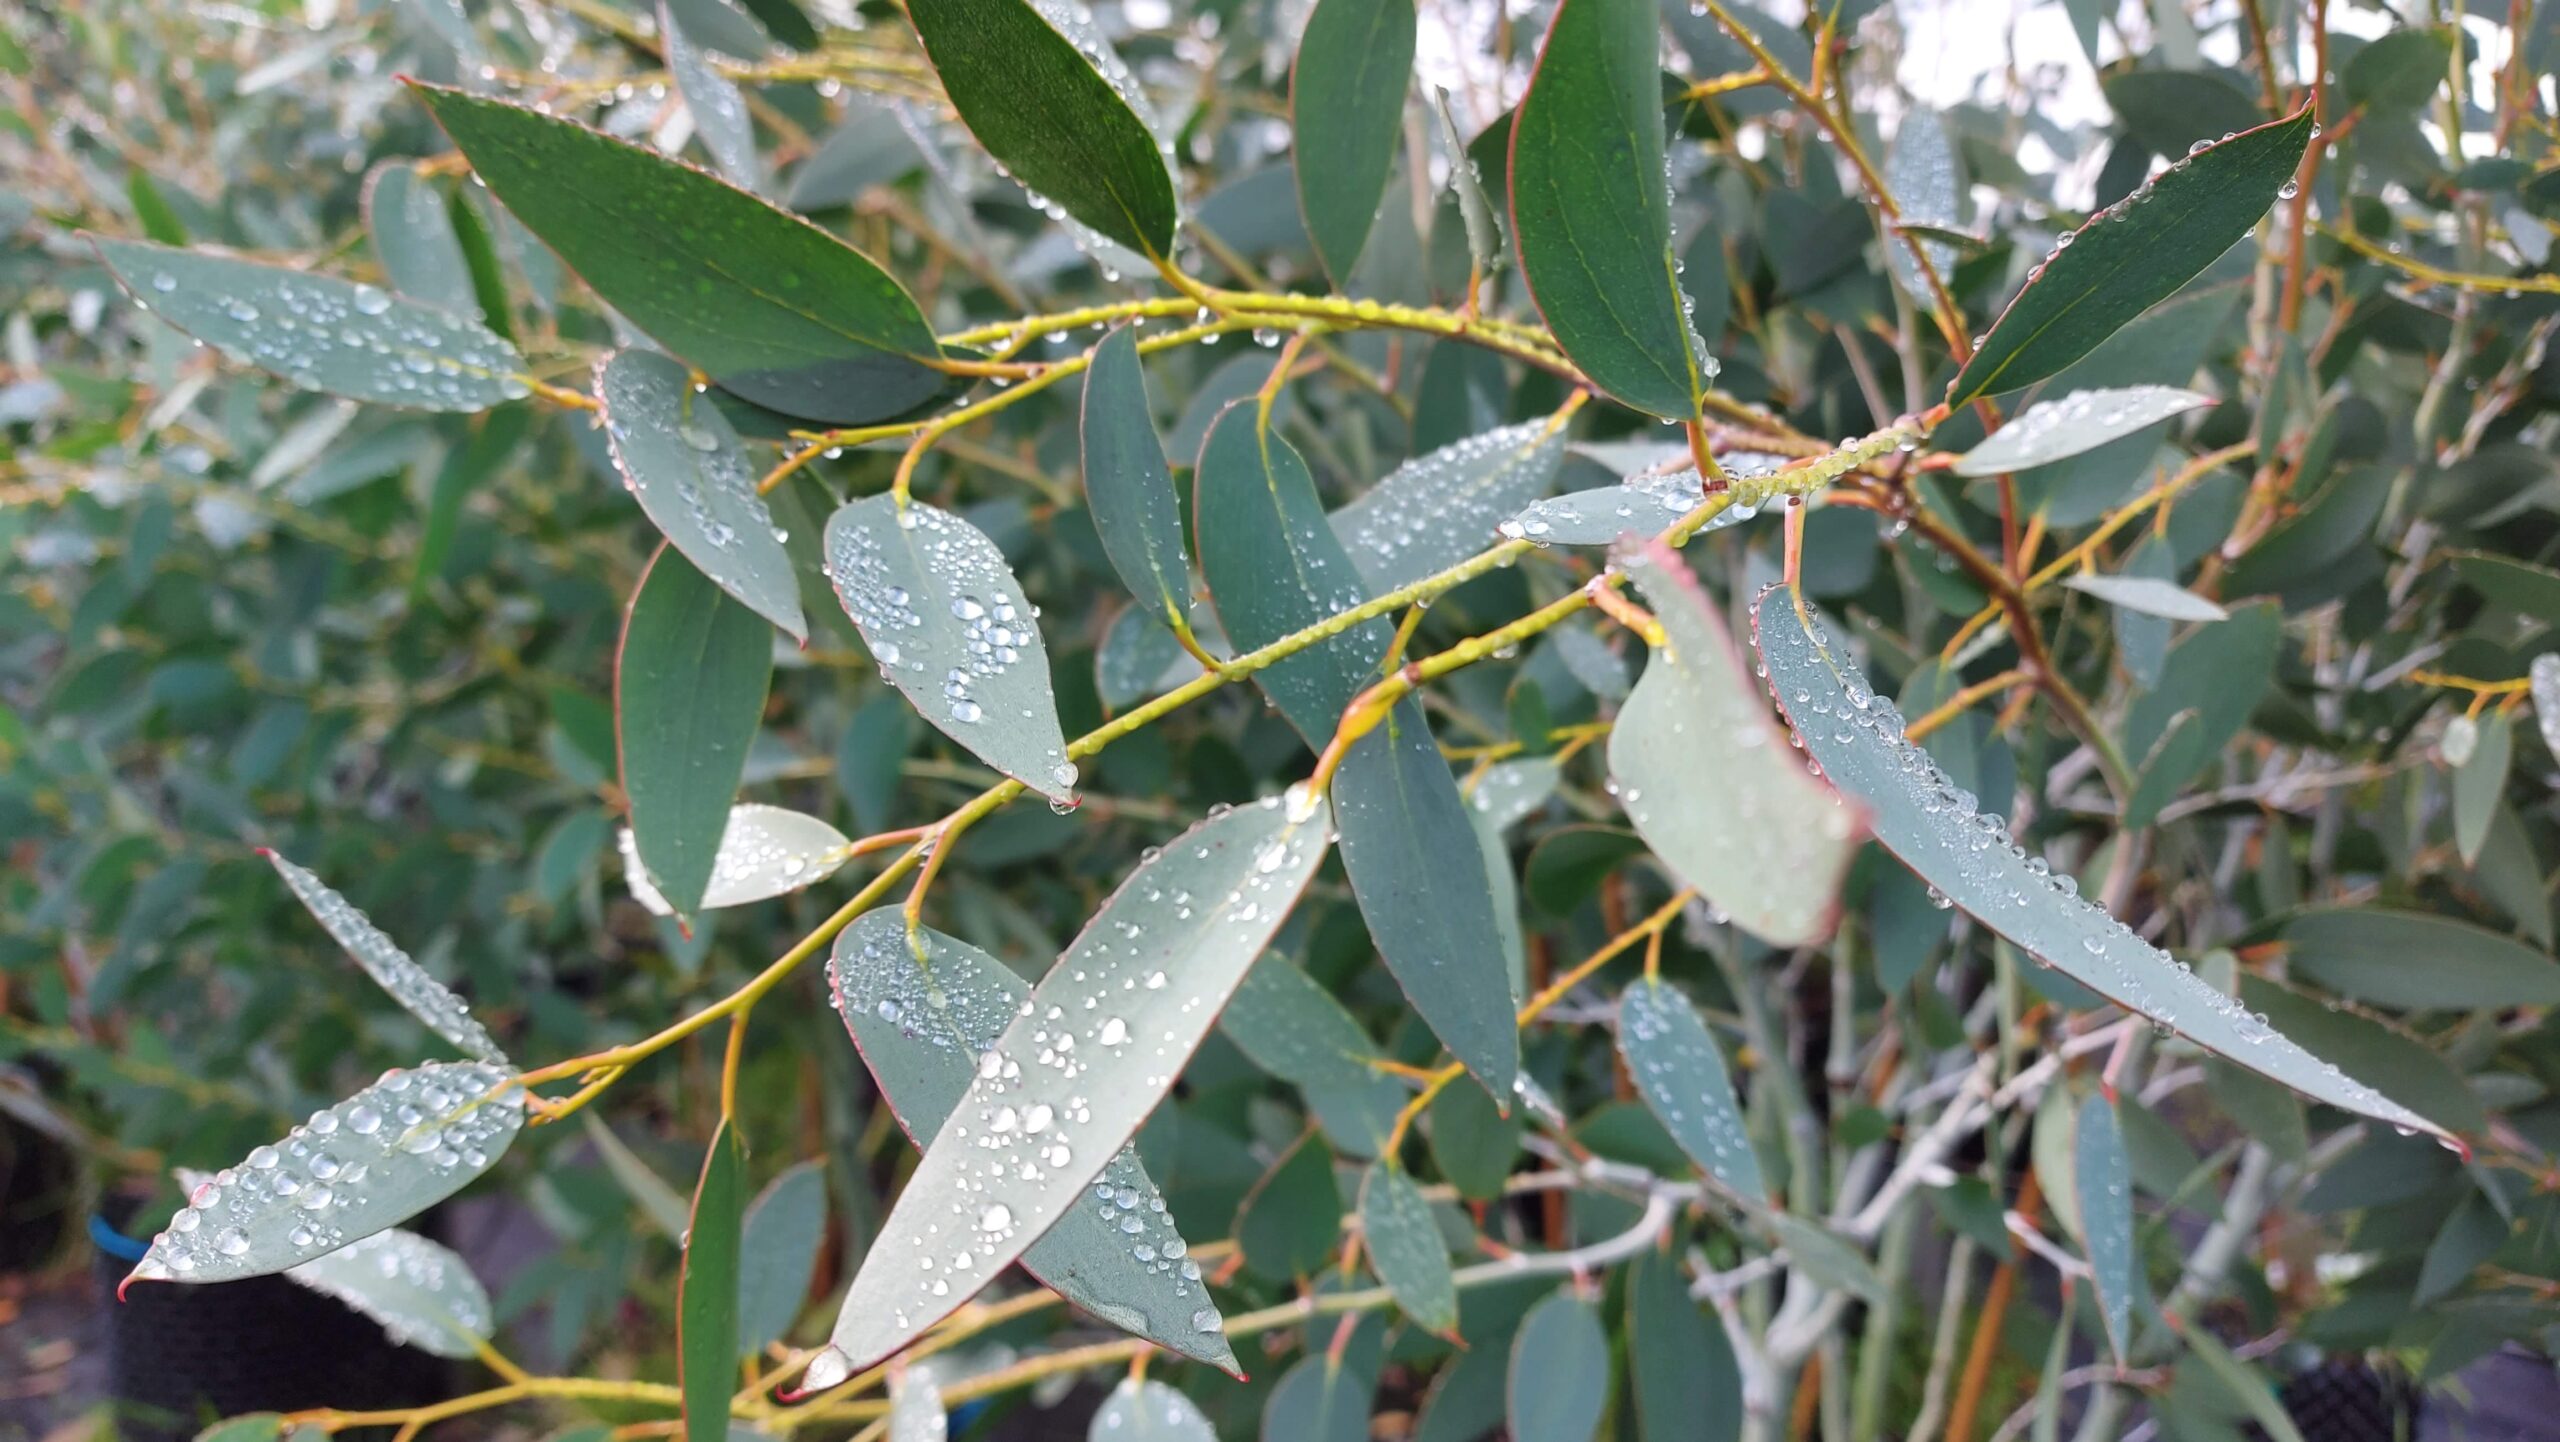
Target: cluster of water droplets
(398, 973)
(713, 481)
(369, 1162)
(2052, 429)
(765, 851)
(1645, 503)
(422, 1294)
(1432, 511)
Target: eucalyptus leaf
(422, 1293)
(1291, 1027)
(1126, 482)
(1680, 1072)
(1559, 1381)
(1405, 1247)
(1644, 504)
(412, 234)
(2050, 430)
(1146, 1410)
(707, 1291)
(2417, 962)
(2103, 1177)
(689, 693)
(765, 852)
(393, 969)
(778, 1253)
(1346, 109)
(718, 107)
(2147, 595)
(1439, 509)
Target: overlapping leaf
(1148, 1411)
(689, 692)
(1643, 504)
(1438, 509)
(412, 234)
(718, 107)
(765, 852)
(398, 973)
(1129, 487)
(1559, 1381)
(1293, 1028)
(421, 1292)
(2050, 430)
(2104, 1185)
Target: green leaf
(1292, 1028)
(1510, 791)
(2148, 596)
(319, 332)
(665, 1208)
(2133, 255)
(2242, 1381)
(1405, 1247)
(1043, 92)
(1680, 1365)
(2480, 781)
(1290, 1221)
(1346, 111)
(778, 1254)
(689, 692)
(1559, 1380)
(775, 309)
(1441, 508)
(1148, 1411)
(391, 968)
(2370, 1052)
(765, 852)
(718, 107)
(1939, 832)
(921, 1027)
(2051, 430)
(1476, 210)
(1926, 178)
(1472, 1142)
(1761, 839)
(2103, 1175)
(2169, 110)
(1591, 212)
(2471, 1235)
(1319, 1399)
(1134, 993)
(350, 1171)
(1138, 659)
(1127, 484)
(1642, 505)
(1679, 1071)
(421, 1292)
(707, 1292)
(1828, 1258)
(951, 630)
(151, 209)
(684, 462)
(2401, 70)
(413, 237)
(257, 1427)
(2417, 962)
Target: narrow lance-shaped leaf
(922, 1009)
(951, 630)
(1148, 1411)
(322, 333)
(372, 1161)
(765, 852)
(689, 689)
(1927, 181)
(772, 307)
(2147, 595)
(2105, 1188)
(2366, 953)
(718, 107)
(2133, 255)
(1708, 781)
(1405, 1246)
(1439, 509)
(1938, 831)
(1591, 210)
(2051, 430)
(413, 237)
(1128, 485)
(1079, 1067)
(707, 1292)
(1679, 1071)
(683, 460)
(1346, 109)
(1680, 1365)
(1048, 98)
(1476, 209)
(2542, 681)
(422, 1293)
(1644, 504)
(398, 973)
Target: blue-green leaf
(688, 697)
(707, 1292)
(2104, 1185)
(1559, 1383)
(1405, 1246)
(1128, 485)
(412, 234)
(1346, 110)
(1679, 1071)
(1439, 509)
(393, 969)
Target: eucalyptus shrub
(1725, 755)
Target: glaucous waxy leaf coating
(1405, 1247)
(684, 462)
(2102, 1177)
(1126, 482)
(718, 107)
(1679, 1071)
(1148, 1411)
(397, 972)
(922, 1008)
(1641, 505)
(2051, 430)
(412, 235)
(422, 1293)
(322, 333)
(372, 1161)
(1290, 1026)
(1927, 183)
(2148, 595)
(950, 629)
(707, 1290)
(1706, 776)
(1078, 1067)
(1940, 832)
(1438, 509)
(1558, 1385)
(1346, 110)
(765, 852)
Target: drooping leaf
(1293, 1028)
(1048, 98)
(777, 1252)
(1925, 177)
(1148, 1411)
(2471, 1236)
(2104, 1177)
(372, 1161)
(1405, 1246)
(1126, 482)
(765, 852)
(951, 630)
(1591, 213)
(2050, 430)
(1476, 208)
(420, 1291)
(707, 1292)
(393, 969)
(2480, 781)
(1346, 111)
(926, 1055)
(689, 692)
(1757, 836)
(1679, 1071)
(1680, 1365)
(1438, 509)
(1473, 1143)
(1559, 1381)
(1134, 995)
(319, 332)
(683, 460)
(2147, 595)
(718, 107)
(2134, 255)
(773, 308)
(1939, 832)
(412, 235)
(2417, 962)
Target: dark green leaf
(2400, 71)
(707, 1293)
(2370, 1052)
(413, 237)
(778, 1254)
(1128, 485)
(1291, 1220)
(772, 307)
(1559, 1382)
(2471, 1236)
(2134, 255)
(1043, 92)
(319, 332)
(1591, 213)
(1679, 1071)
(150, 208)
(2480, 781)
(693, 478)
(1681, 1367)
(1828, 1258)
(689, 693)
(2104, 1183)
(1346, 111)
(1473, 1142)
(2417, 962)
(1405, 1247)
(2169, 110)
